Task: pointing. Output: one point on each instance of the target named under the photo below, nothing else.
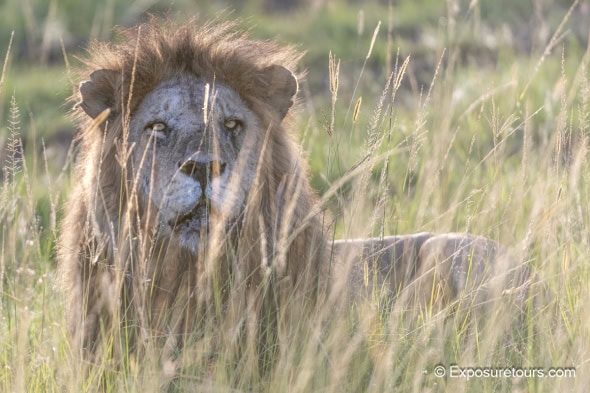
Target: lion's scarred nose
(203, 172)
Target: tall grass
(497, 154)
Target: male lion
(190, 194)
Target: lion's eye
(158, 127)
(232, 125)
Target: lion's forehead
(190, 97)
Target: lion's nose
(203, 172)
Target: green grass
(494, 141)
(40, 88)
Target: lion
(187, 182)
(191, 194)
(433, 269)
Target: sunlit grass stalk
(14, 149)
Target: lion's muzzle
(200, 177)
(203, 172)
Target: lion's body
(191, 194)
(431, 269)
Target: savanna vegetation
(480, 112)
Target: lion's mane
(103, 235)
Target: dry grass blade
(357, 109)
(373, 39)
(5, 65)
(360, 77)
(333, 72)
(15, 152)
(555, 38)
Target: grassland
(488, 123)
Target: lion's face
(194, 160)
(195, 144)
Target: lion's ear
(98, 93)
(282, 87)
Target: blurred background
(492, 35)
